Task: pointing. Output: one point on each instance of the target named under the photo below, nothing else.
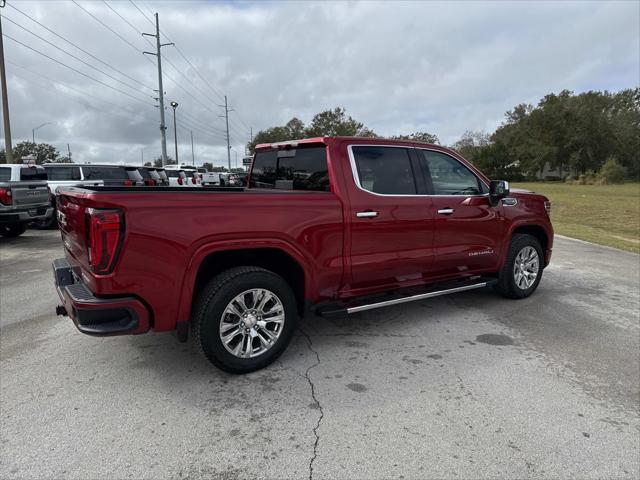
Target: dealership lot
(464, 386)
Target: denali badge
(483, 252)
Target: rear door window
(63, 173)
(300, 169)
(385, 170)
(32, 173)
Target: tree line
(565, 135)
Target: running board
(339, 311)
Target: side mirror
(498, 189)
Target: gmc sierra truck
(331, 226)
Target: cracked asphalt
(464, 386)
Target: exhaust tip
(61, 311)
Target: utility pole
(5, 100)
(226, 118)
(193, 158)
(142, 156)
(158, 55)
(69, 152)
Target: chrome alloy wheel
(526, 267)
(252, 323)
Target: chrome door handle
(445, 211)
(367, 214)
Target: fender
(202, 252)
(525, 222)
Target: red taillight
(149, 182)
(5, 196)
(180, 182)
(105, 229)
(193, 180)
(128, 183)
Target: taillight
(149, 182)
(193, 180)
(5, 196)
(105, 231)
(128, 183)
(180, 182)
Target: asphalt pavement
(464, 386)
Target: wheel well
(271, 259)
(537, 232)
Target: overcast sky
(397, 67)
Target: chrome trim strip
(420, 296)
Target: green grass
(604, 214)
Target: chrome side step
(337, 310)
(413, 298)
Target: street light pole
(193, 158)
(33, 131)
(175, 134)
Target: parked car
(63, 174)
(112, 175)
(383, 223)
(177, 178)
(163, 177)
(210, 178)
(24, 197)
(152, 176)
(193, 177)
(233, 179)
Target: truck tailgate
(26, 193)
(71, 221)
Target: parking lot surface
(464, 386)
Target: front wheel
(12, 230)
(522, 270)
(244, 319)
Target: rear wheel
(244, 319)
(522, 270)
(13, 229)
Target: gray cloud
(397, 67)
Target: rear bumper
(27, 215)
(99, 317)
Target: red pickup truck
(331, 226)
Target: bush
(552, 178)
(611, 172)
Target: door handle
(367, 214)
(445, 211)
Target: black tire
(212, 302)
(12, 230)
(507, 285)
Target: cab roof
(331, 140)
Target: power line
(126, 114)
(109, 28)
(179, 50)
(73, 56)
(76, 46)
(76, 70)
